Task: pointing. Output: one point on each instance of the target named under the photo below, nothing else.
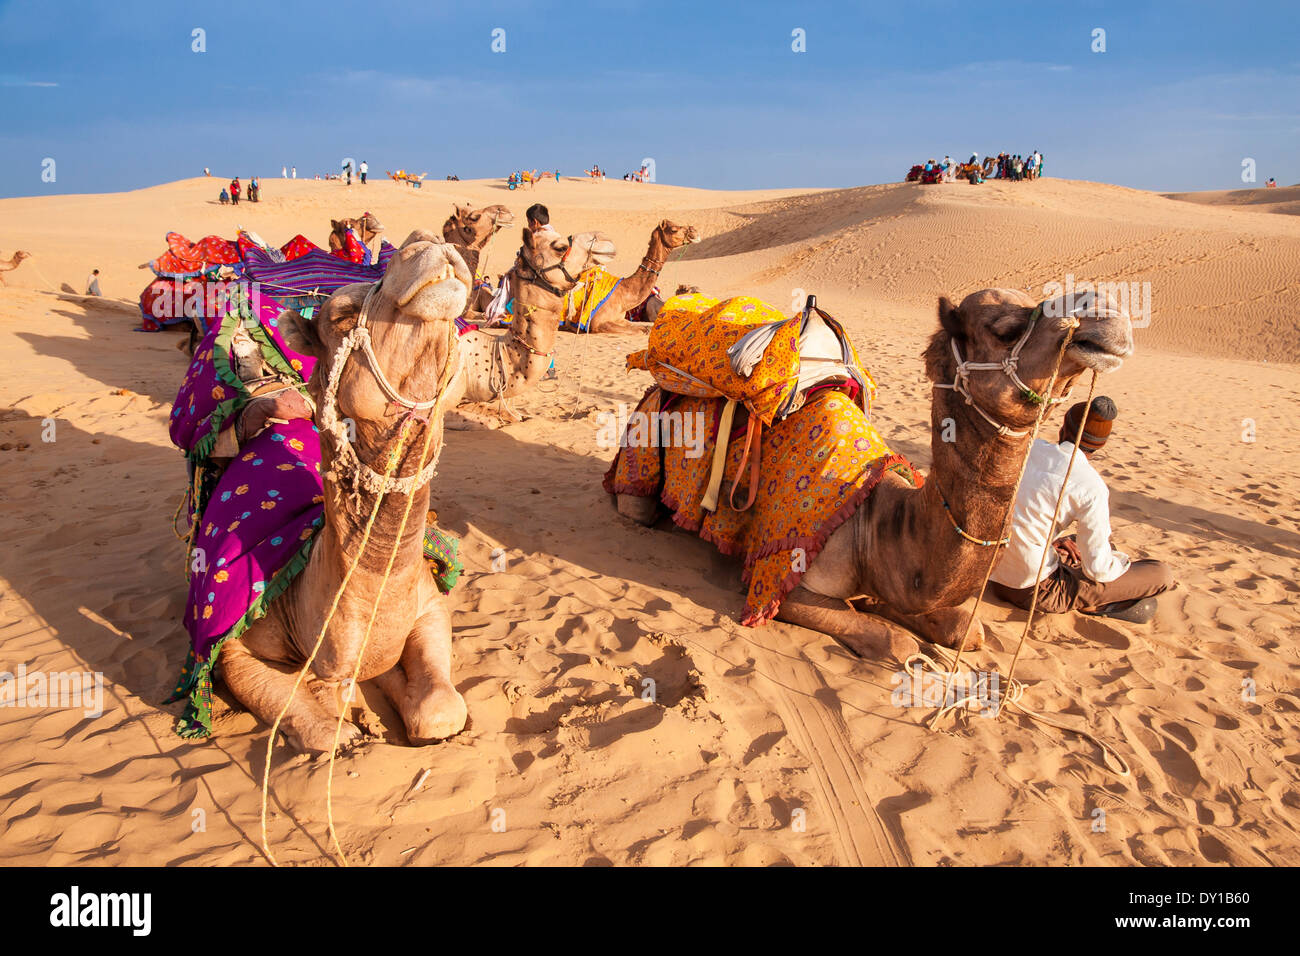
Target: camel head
(559, 260)
(472, 228)
(366, 226)
(411, 318)
(18, 257)
(673, 235)
(987, 327)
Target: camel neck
(975, 471)
(346, 516)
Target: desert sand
(764, 746)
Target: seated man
(1081, 573)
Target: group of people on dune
(232, 192)
(1003, 166)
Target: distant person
(1082, 571)
(347, 171)
(284, 172)
(224, 198)
(206, 171)
(92, 283)
(254, 190)
(294, 172)
(364, 169)
(234, 190)
(1271, 184)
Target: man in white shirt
(1082, 572)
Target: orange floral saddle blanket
(816, 467)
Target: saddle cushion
(688, 347)
(818, 465)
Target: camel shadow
(154, 367)
(125, 626)
(466, 505)
(110, 586)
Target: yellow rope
(449, 370)
(1015, 689)
(1043, 409)
(1047, 546)
(320, 638)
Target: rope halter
(347, 461)
(1008, 366)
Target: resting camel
(470, 230)
(634, 289)
(899, 549)
(411, 317)
(501, 365)
(366, 226)
(13, 262)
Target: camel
(497, 365)
(899, 550)
(470, 230)
(366, 226)
(411, 316)
(634, 289)
(654, 303)
(13, 262)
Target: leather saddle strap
(751, 453)
(710, 502)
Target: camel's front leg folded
(420, 684)
(864, 634)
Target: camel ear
(299, 333)
(528, 239)
(951, 319)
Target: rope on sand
(452, 366)
(1015, 689)
(450, 369)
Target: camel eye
(474, 218)
(1010, 329)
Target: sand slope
(763, 746)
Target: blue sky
(711, 91)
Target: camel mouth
(1101, 353)
(448, 273)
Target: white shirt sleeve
(1101, 563)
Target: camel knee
(639, 509)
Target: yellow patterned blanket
(818, 466)
(688, 345)
(585, 299)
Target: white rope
(347, 461)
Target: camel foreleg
(864, 634)
(420, 684)
(262, 682)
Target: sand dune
(753, 729)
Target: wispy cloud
(22, 81)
